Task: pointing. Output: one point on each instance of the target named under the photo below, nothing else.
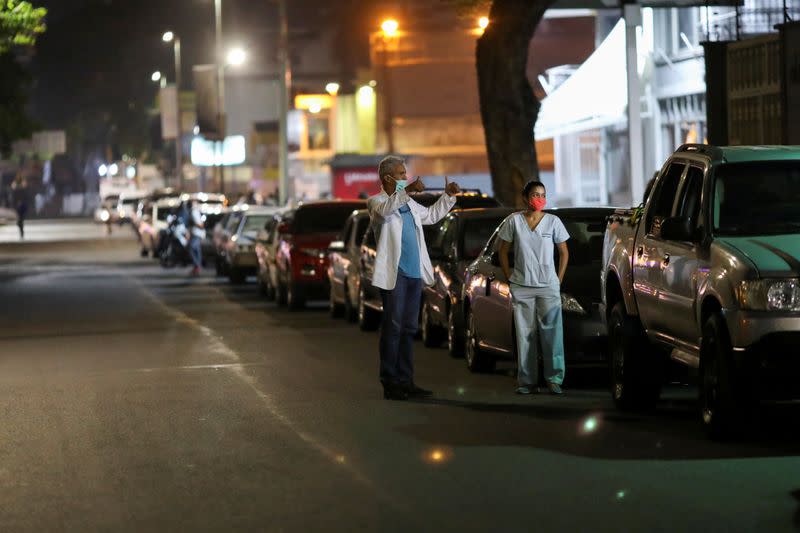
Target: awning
(595, 96)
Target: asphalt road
(138, 399)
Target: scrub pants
(537, 319)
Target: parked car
(369, 303)
(708, 270)
(487, 309)
(221, 234)
(302, 249)
(240, 248)
(343, 256)
(266, 251)
(460, 239)
(126, 206)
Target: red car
(302, 250)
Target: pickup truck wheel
(431, 334)
(455, 338)
(477, 359)
(722, 398)
(635, 366)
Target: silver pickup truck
(707, 273)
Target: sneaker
(526, 389)
(555, 388)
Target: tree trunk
(508, 106)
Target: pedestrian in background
(19, 193)
(402, 265)
(536, 288)
(197, 234)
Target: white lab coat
(387, 223)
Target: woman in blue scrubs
(536, 288)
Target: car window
(689, 203)
(233, 222)
(322, 218)
(361, 229)
(475, 234)
(760, 198)
(252, 223)
(347, 232)
(585, 244)
(435, 234)
(664, 198)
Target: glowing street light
(389, 27)
(483, 22)
(155, 76)
(168, 37)
(332, 88)
(236, 56)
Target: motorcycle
(176, 244)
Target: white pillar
(633, 20)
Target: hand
(416, 186)
(451, 188)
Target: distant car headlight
(570, 305)
(313, 252)
(769, 294)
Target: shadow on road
(566, 425)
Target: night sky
(92, 67)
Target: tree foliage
(20, 23)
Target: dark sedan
(487, 308)
(459, 241)
(370, 306)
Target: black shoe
(394, 392)
(417, 392)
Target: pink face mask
(538, 203)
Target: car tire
(236, 276)
(335, 308)
(722, 394)
(478, 360)
(295, 299)
(432, 335)
(368, 319)
(350, 311)
(635, 366)
(455, 335)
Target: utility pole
(285, 91)
(220, 62)
(179, 131)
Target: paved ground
(137, 399)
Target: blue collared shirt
(409, 250)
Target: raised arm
(443, 205)
(382, 207)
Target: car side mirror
(336, 246)
(677, 229)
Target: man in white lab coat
(402, 266)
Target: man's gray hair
(387, 165)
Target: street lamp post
(285, 90)
(220, 62)
(388, 31)
(176, 41)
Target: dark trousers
(398, 327)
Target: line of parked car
(325, 250)
(705, 274)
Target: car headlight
(570, 305)
(313, 252)
(104, 215)
(769, 294)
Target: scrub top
(534, 264)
